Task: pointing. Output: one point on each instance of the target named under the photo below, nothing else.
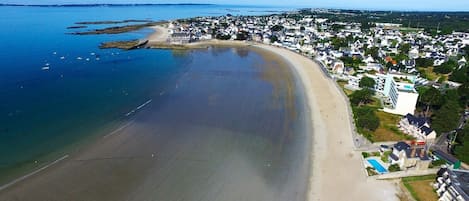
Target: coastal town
(228, 102)
(407, 87)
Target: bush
(385, 156)
(437, 163)
(371, 171)
(365, 154)
(361, 97)
(366, 118)
(394, 168)
(424, 62)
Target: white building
(338, 67)
(417, 127)
(401, 93)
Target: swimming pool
(377, 166)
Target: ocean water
(249, 109)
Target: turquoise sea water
(42, 111)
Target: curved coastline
(336, 172)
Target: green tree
(273, 39)
(276, 28)
(452, 95)
(394, 168)
(466, 50)
(423, 62)
(459, 75)
(337, 43)
(373, 52)
(367, 82)
(366, 118)
(461, 150)
(463, 92)
(429, 98)
(361, 97)
(404, 48)
(447, 117)
(446, 67)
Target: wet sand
(337, 172)
(209, 167)
(223, 132)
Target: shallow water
(216, 124)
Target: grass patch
(385, 156)
(428, 73)
(387, 130)
(342, 84)
(420, 187)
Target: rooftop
(462, 176)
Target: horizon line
(299, 7)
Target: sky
(404, 5)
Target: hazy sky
(432, 5)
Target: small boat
(92, 53)
(87, 59)
(79, 58)
(45, 68)
(54, 53)
(62, 57)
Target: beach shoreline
(336, 172)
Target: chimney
(412, 154)
(422, 153)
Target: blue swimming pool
(377, 166)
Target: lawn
(429, 74)
(342, 84)
(420, 187)
(387, 129)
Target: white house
(338, 67)
(407, 156)
(417, 127)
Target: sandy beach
(336, 171)
(160, 35)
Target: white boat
(45, 68)
(62, 57)
(79, 58)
